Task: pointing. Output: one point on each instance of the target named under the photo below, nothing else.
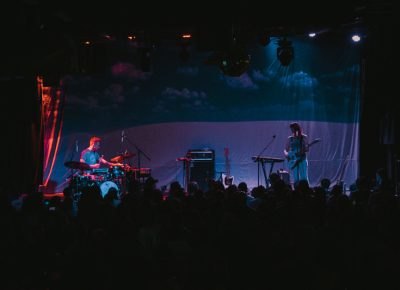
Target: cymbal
(120, 158)
(77, 165)
(116, 159)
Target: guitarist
(296, 153)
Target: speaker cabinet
(285, 176)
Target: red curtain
(52, 123)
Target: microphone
(122, 136)
(76, 146)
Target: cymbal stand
(139, 153)
(76, 149)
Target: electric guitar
(295, 157)
(227, 179)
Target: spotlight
(356, 38)
(285, 52)
(184, 43)
(186, 36)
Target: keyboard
(267, 159)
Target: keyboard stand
(265, 174)
(263, 160)
(267, 180)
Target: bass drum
(106, 186)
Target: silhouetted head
(243, 186)
(325, 183)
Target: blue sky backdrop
(178, 106)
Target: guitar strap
(302, 155)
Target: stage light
(312, 34)
(285, 51)
(356, 38)
(184, 43)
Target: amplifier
(202, 166)
(201, 155)
(284, 175)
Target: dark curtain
(22, 153)
(380, 129)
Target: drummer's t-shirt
(90, 157)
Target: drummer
(91, 156)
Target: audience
(233, 238)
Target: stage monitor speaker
(284, 175)
(202, 167)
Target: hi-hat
(77, 165)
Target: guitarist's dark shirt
(298, 145)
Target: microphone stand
(73, 151)
(258, 163)
(139, 152)
(72, 170)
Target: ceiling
(117, 16)
(48, 26)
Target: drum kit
(117, 177)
